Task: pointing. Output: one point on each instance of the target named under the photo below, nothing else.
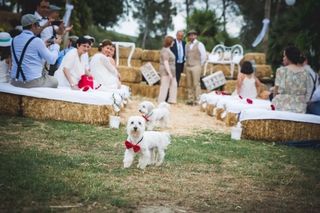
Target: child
(247, 82)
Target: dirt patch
(184, 119)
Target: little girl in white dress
(247, 82)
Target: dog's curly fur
(155, 117)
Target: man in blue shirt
(29, 54)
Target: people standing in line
(178, 49)
(167, 71)
(292, 84)
(29, 53)
(195, 59)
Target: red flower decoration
(273, 107)
(249, 101)
(240, 97)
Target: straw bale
(150, 55)
(182, 93)
(124, 53)
(231, 119)
(92, 51)
(10, 104)
(183, 80)
(156, 65)
(219, 112)
(43, 109)
(263, 71)
(263, 91)
(259, 58)
(134, 88)
(130, 74)
(279, 130)
(230, 86)
(134, 62)
(225, 68)
(210, 109)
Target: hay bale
(134, 62)
(183, 80)
(44, 109)
(10, 104)
(230, 86)
(150, 55)
(210, 109)
(92, 51)
(225, 68)
(124, 52)
(130, 74)
(218, 113)
(279, 130)
(263, 71)
(259, 58)
(231, 119)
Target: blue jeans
(313, 108)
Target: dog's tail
(165, 139)
(164, 105)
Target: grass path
(60, 166)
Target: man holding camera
(28, 53)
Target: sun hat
(5, 39)
(29, 19)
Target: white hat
(29, 19)
(92, 39)
(5, 39)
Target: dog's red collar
(135, 147)
(146, 117)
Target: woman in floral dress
(292, 85)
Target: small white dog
(144, 143)
(155, 116)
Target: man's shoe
(189, 103)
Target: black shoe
(189, 103)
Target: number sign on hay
(149, 73)
(214, 80)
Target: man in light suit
(178, 50)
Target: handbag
(86, 83)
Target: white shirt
(202, 50)
(47, 32)
(4, 72)
(43, 21)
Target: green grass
(50, 165)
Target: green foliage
(154, 19)
(297, 25)
(209, 28)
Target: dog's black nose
(135, 128)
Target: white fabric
(262, 33)
(47, 32)
(61, 94)
(104, 72)
(248, 88)
(4, 71)
(67, 14)
(239, 105)
(76, 67)
(42, 21)
(260, 114)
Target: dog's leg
(161, 155)
(128, 158)
(144, 159)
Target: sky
(129, 26)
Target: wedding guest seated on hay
(292, 83)
(5, 58)
(73, 66)
(29, 54)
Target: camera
(50, 41)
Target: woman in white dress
(5, 57)
(102, 68)
(73, 66)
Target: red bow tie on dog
(129, 145)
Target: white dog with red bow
(149, 145)
(155, 116)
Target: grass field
(60, 166)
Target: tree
(106, 12)
(154, 19)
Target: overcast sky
(129, 26)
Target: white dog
(155, 116)
(144, 143)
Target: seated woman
(292, 84)
(104, 71)
(72, 66)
